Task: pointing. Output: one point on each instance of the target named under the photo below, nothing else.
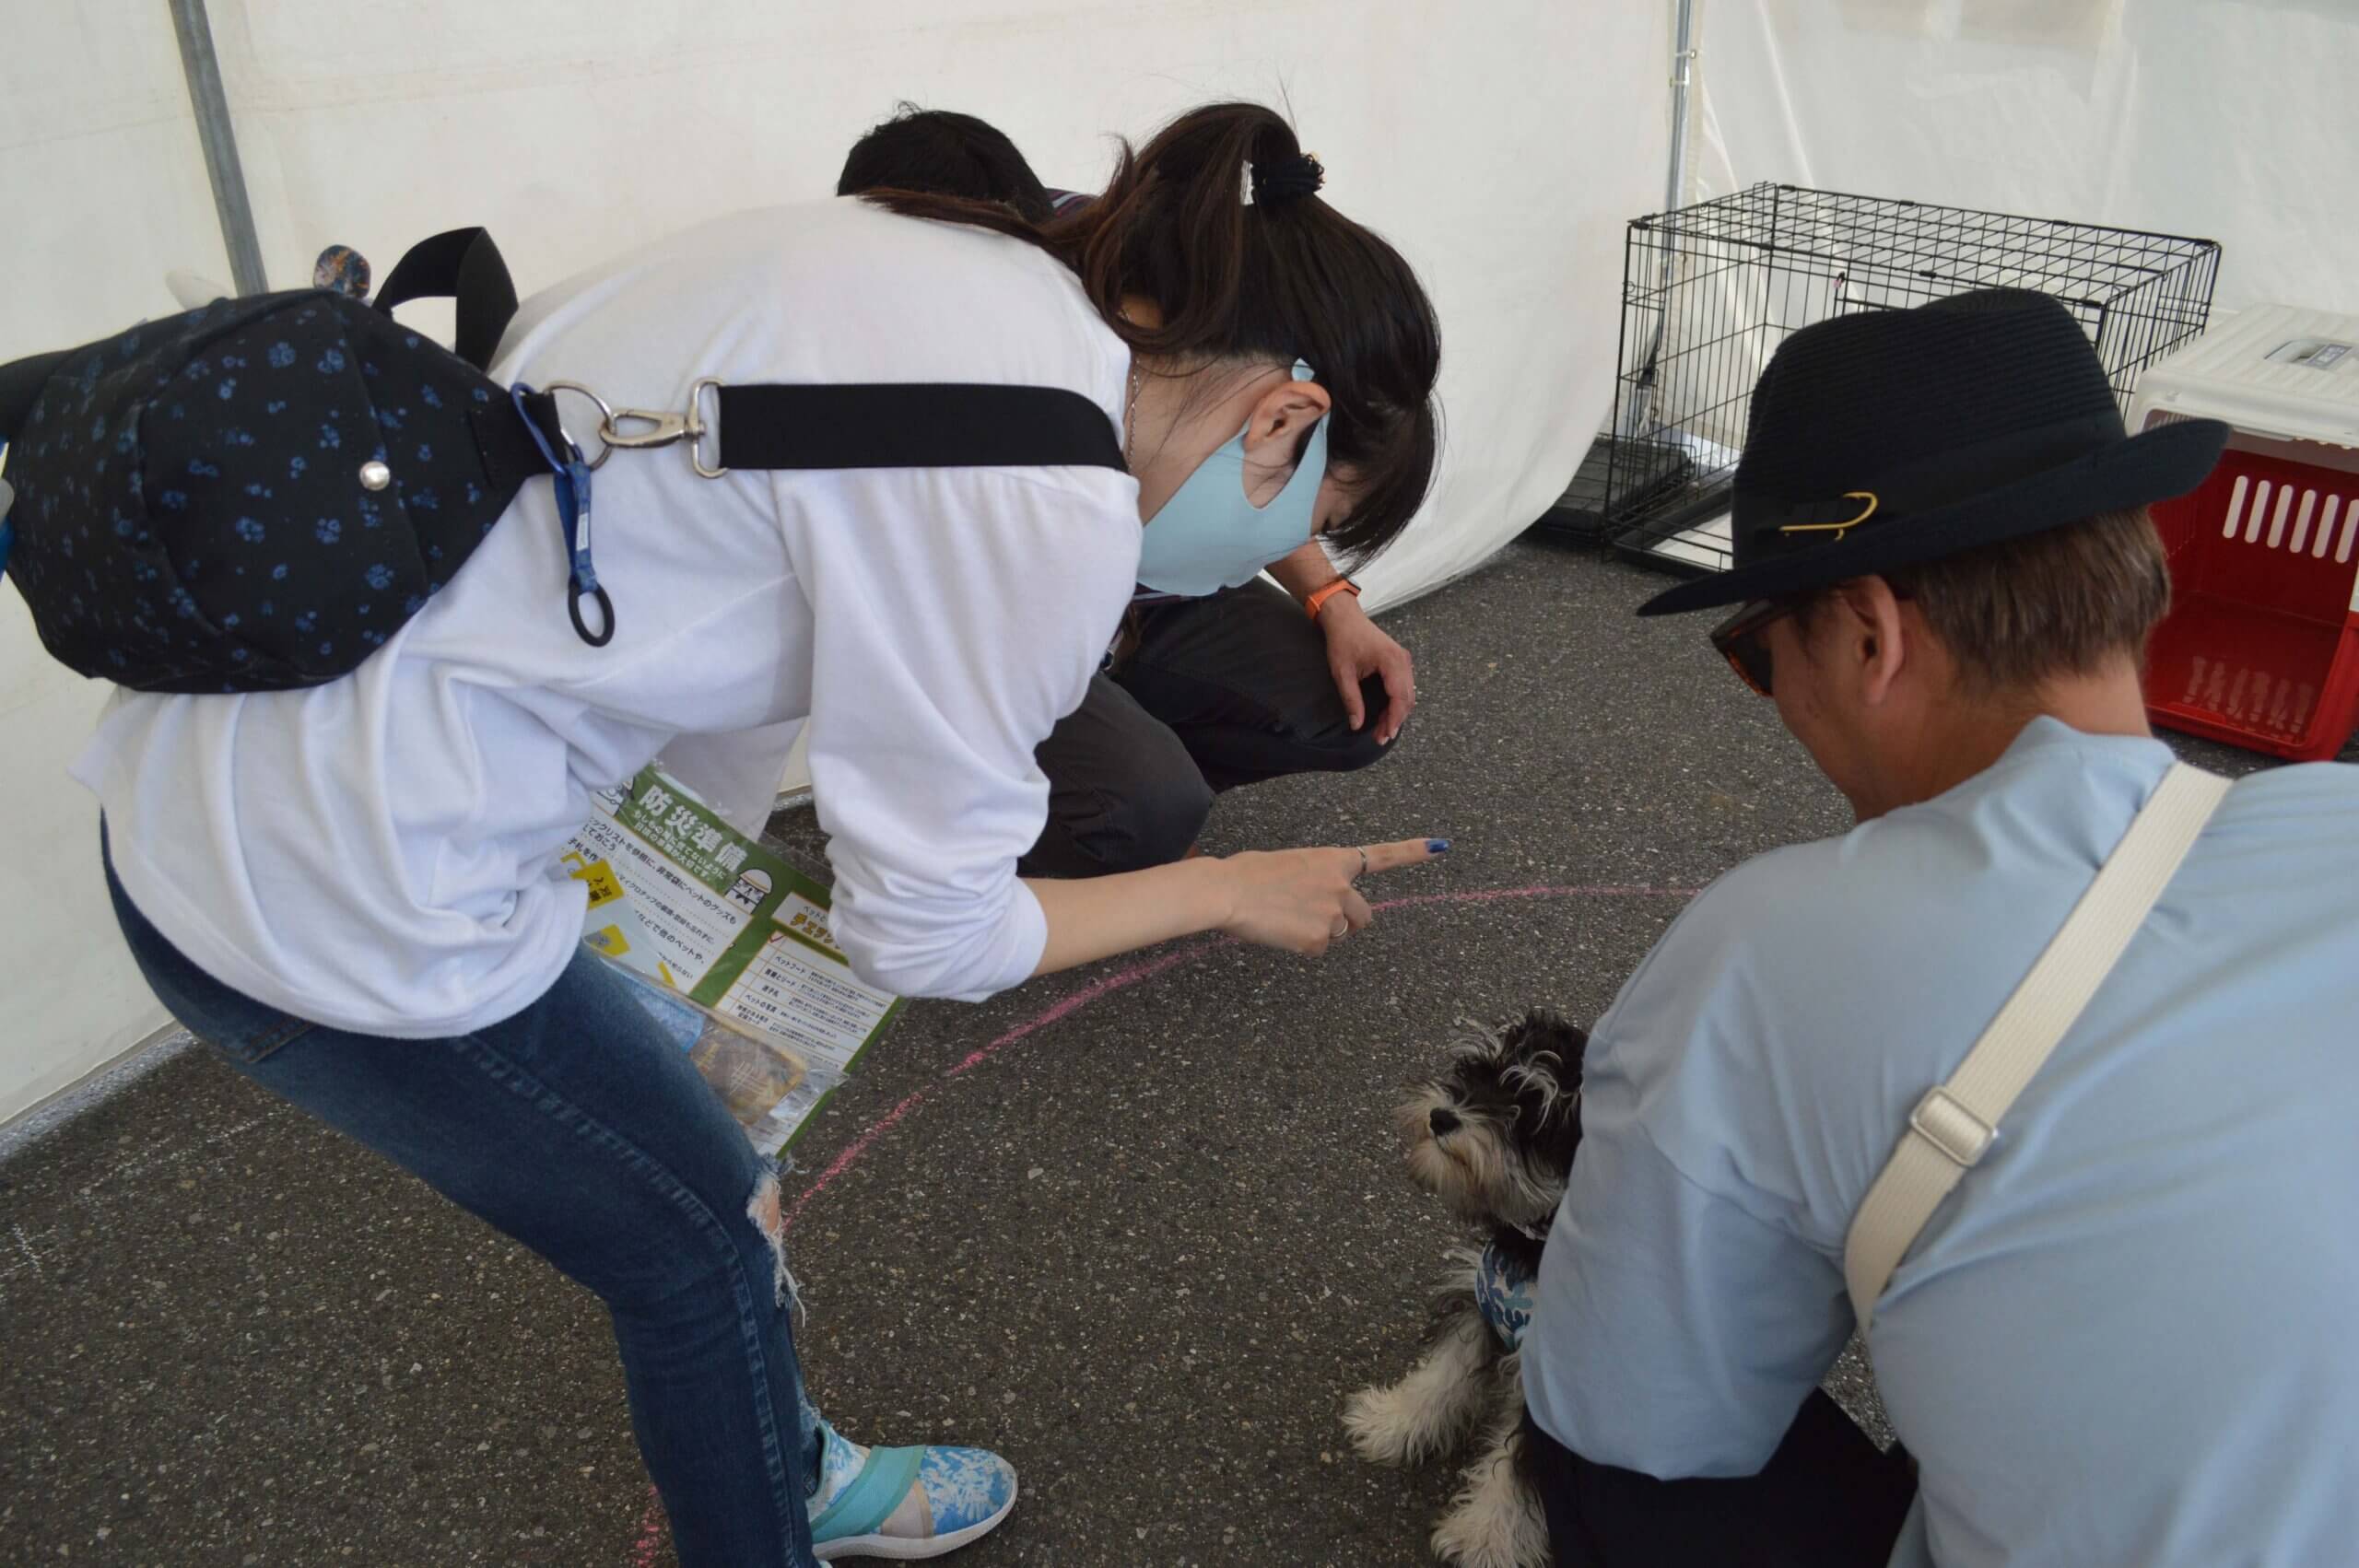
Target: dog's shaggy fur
(1493, 1137)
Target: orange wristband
(1319, 596)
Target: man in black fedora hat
(2041, 1076)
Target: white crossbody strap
(1955, 1124)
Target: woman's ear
(1281, 421)
(1285, 414)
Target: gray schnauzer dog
(1493, 1137)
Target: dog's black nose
(1442, 1121)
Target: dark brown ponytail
(1274, 281)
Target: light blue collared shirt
(2132, 1334)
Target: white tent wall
(104, 188)
(2229, 119)
(1500, 146)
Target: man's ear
(1872, 641)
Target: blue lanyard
(571, 473)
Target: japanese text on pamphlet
(684, 900)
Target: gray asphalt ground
(1147, 1250)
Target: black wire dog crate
(1710, 290)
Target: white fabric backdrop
(101, 188)
(2229, 120)
(1500, 146)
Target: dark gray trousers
(1218, 693)
(1826, 1499)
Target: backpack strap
(913, 425)
(839, 425)
(1955, 1124)
(463, 265)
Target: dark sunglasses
(1739, 641)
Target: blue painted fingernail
(1436, 845)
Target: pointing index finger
(1403, 852)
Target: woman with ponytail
(1205, 691)
(352, 890)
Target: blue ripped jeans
(578, 1129)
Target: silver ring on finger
(1362, 872)
(1343, 929)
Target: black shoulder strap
(461, 265)
(913, 425)
(839, 425)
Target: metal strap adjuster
(1942, 1120)
(697, 427)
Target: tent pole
(1683, 77)
(203, 71)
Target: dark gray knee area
(1156, 822)
(1123, 793)
(1124, 823)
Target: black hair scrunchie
(1287, 179)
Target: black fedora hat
(1893, 438)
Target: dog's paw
(1388, 1426)
(1497, 1526)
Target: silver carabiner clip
(656, 429)
(638, 429)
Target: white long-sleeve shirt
(379, 854)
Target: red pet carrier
(2261, 648)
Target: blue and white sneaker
(906, 1503)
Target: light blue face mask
(1209, 536)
